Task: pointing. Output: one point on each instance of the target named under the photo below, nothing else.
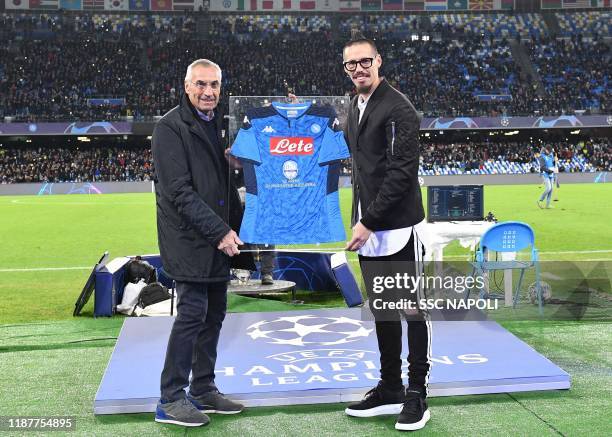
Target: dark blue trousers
(192, 346)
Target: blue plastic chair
(508, 237)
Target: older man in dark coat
(198, 215)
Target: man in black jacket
(382, 131)
(198, 214)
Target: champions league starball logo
(98, 127)
(308, 330)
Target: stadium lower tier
(108, 161)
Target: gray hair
(203, 63)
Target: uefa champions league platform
(320, 356)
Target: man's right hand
(229, 244)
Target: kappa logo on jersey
(268, 130)
(291, 146)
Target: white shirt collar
(361, 105)
(363, 102)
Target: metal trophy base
(255, 287)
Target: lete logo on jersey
(291, 146)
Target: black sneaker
(378, 402)
(415, 413)
(215, 402)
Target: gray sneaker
(266, 279)
(215, 402)
(181, 412)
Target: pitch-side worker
(196, 228)
(382, 131)
(547, 169)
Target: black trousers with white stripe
(388, 323)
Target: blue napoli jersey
(291, 160)
(549, 162)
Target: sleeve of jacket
(174, 177)
(401, 174)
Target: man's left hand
(360, 236)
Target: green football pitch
(51, 363)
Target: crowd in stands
(599, 154)
(498, 25)
(130, 163)
(513, 157)
(576, 72)
(51, 65)
(88, 164)
(445, 77)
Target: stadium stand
(139, 61)
(132, 163)
(95, 164)
(575, 72)
(511, 157)
(381, 25)
(586, 23)
(495, 25)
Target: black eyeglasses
(352, 65)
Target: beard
(364, 89)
